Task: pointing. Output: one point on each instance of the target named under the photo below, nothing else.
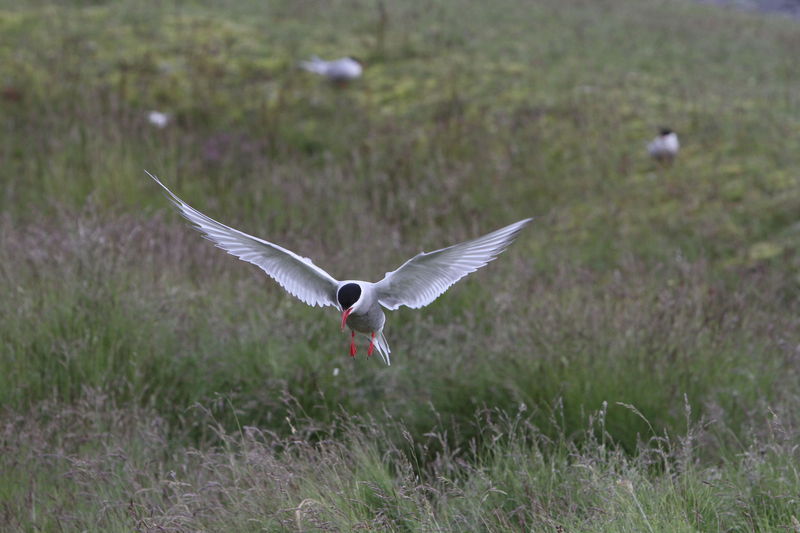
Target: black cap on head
(665, 131)
(348, 295)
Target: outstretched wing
(298, 275)
(422, 279)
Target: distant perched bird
(340, 71)
(418, 281)
(665, 147)
(158, 119)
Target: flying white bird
(418, 281)
(665, 147)
(340, 71)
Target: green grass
(630, 364)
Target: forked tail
(383, 347)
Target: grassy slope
(630, 364)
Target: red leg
(353, 344)
(371, 345)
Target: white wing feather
(298, 275)
(423, 278)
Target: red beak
(346, 314)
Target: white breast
(664, 145)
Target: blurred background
(630, 364)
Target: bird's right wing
(298, 275)
(423, 278)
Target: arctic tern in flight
(418, 281)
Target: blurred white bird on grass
(340, 71)
(664, 148)
(158, 119)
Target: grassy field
(630, 364)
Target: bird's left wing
(423, 278)
(298, 275)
